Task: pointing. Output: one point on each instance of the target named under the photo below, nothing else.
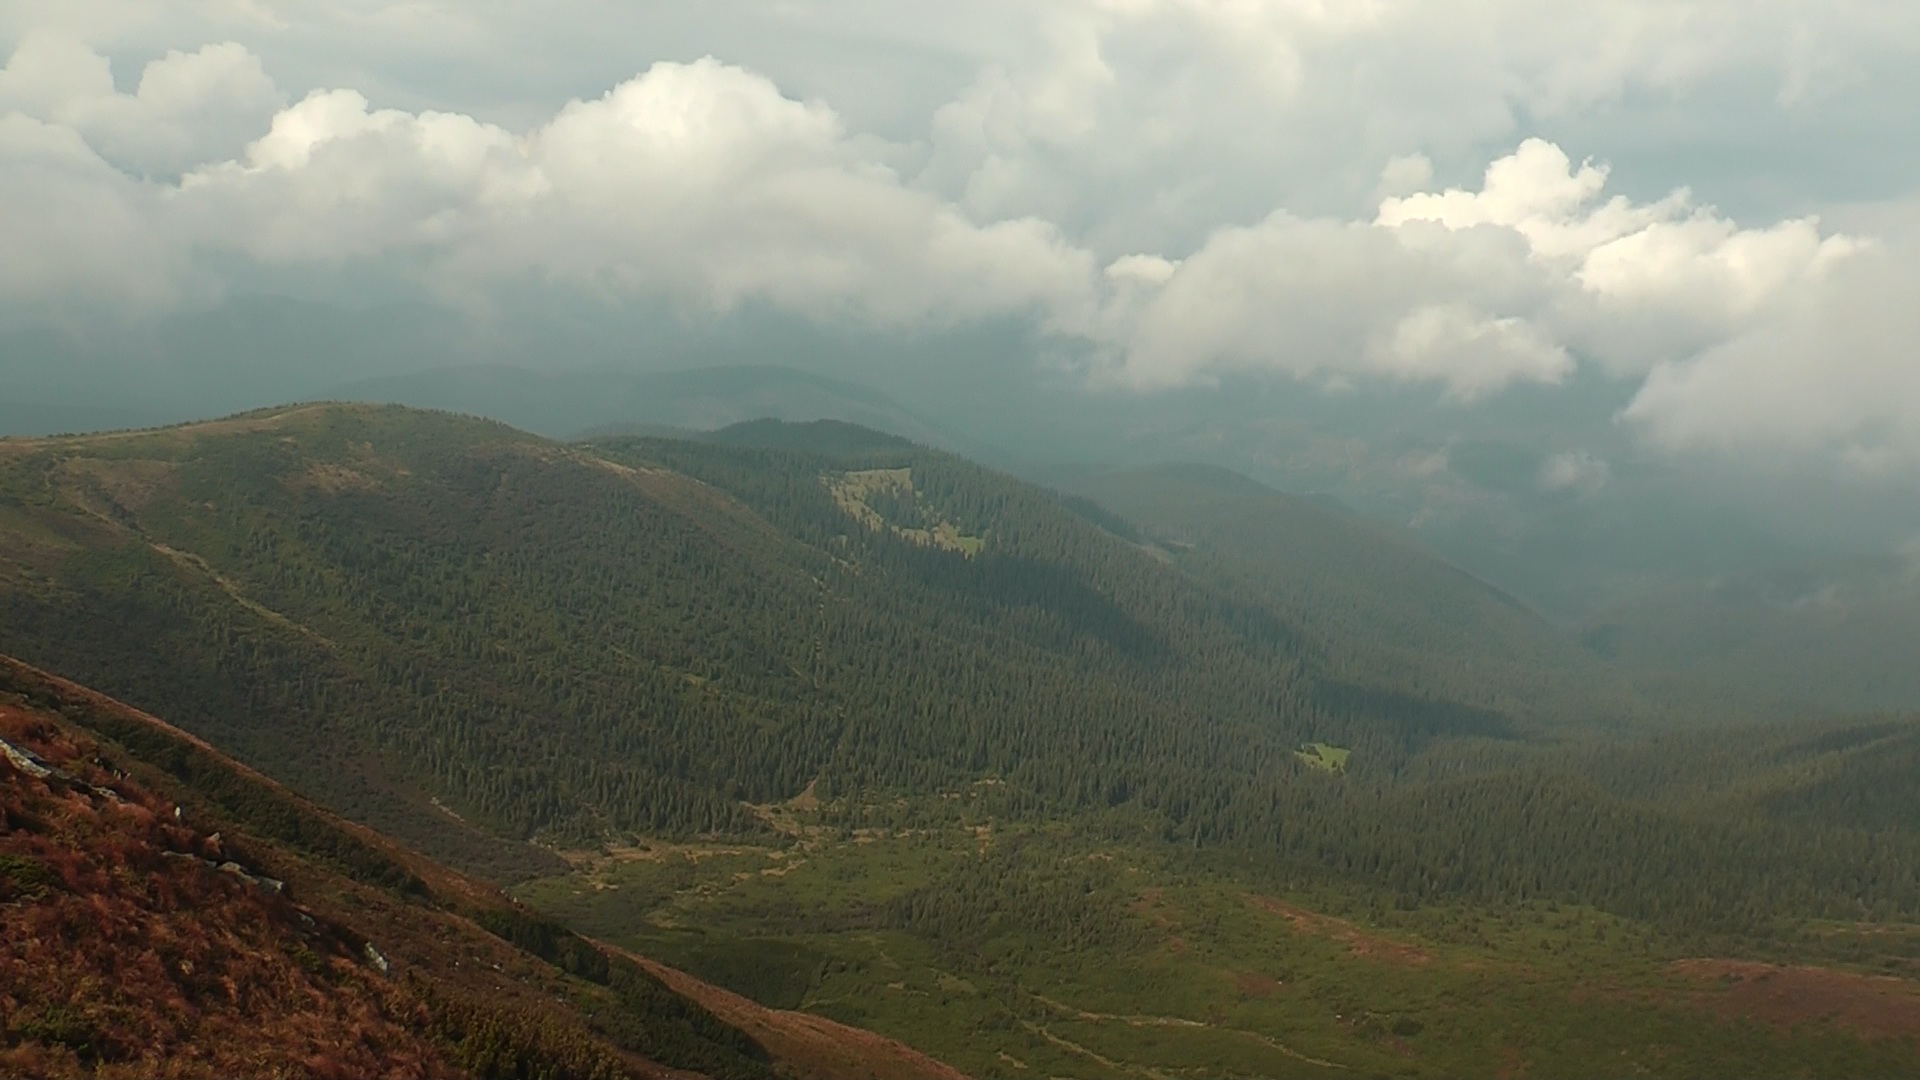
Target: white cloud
(80, 236)
(1537, 192)
(188, 108)
(333, 181)
(1403, 175)
(700, 181)
(1099, 119)
(1190, 188)
(1473, 290)
(1835, 369)
(1474, 354)
(1325, 300)
(1639, 283)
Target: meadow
(1045, 951)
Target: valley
(1017, 952)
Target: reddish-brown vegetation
(126, 951)
(813, 1046)
(1358, 941)
(1252, 984)
(1876, 1006)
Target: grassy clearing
(885, 499)
(1325, 756)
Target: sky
(1712, 206)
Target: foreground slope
(170, 912)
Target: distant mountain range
(1817, 637)
(571, 404)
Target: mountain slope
(385, 606)
(168, 908)
(1400, 619)
(851, 725)
(474, 638)
(1811, 638)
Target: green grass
(886, 500)
(1212, 976)
(1325, 756)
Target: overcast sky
(1716, 202)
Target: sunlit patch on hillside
(885, 499)
(1325, 756)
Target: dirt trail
(1181, 1022)
(1075, 1048)
(196, 563)
(814, 1047)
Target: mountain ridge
(601, 401)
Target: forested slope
(641, 634)
(473, 637)
(1820, 637)
(1397, 618)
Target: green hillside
(475, 637)
(1397, 618)
(1822, 637)
(639, 635)
(818, 712)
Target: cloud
(81, 236)
(1179, 190)
(1834, 370)
(1327, 300)
(1473, 290)
(1101, 118)
(1643, 283)
(188, 108)
(703, 183)
(699, 181)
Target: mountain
(1196, 781)
(1403, 620)
(1818, 637)
(391, 607)
(488, 644)
(615, 401)
(169, 909)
